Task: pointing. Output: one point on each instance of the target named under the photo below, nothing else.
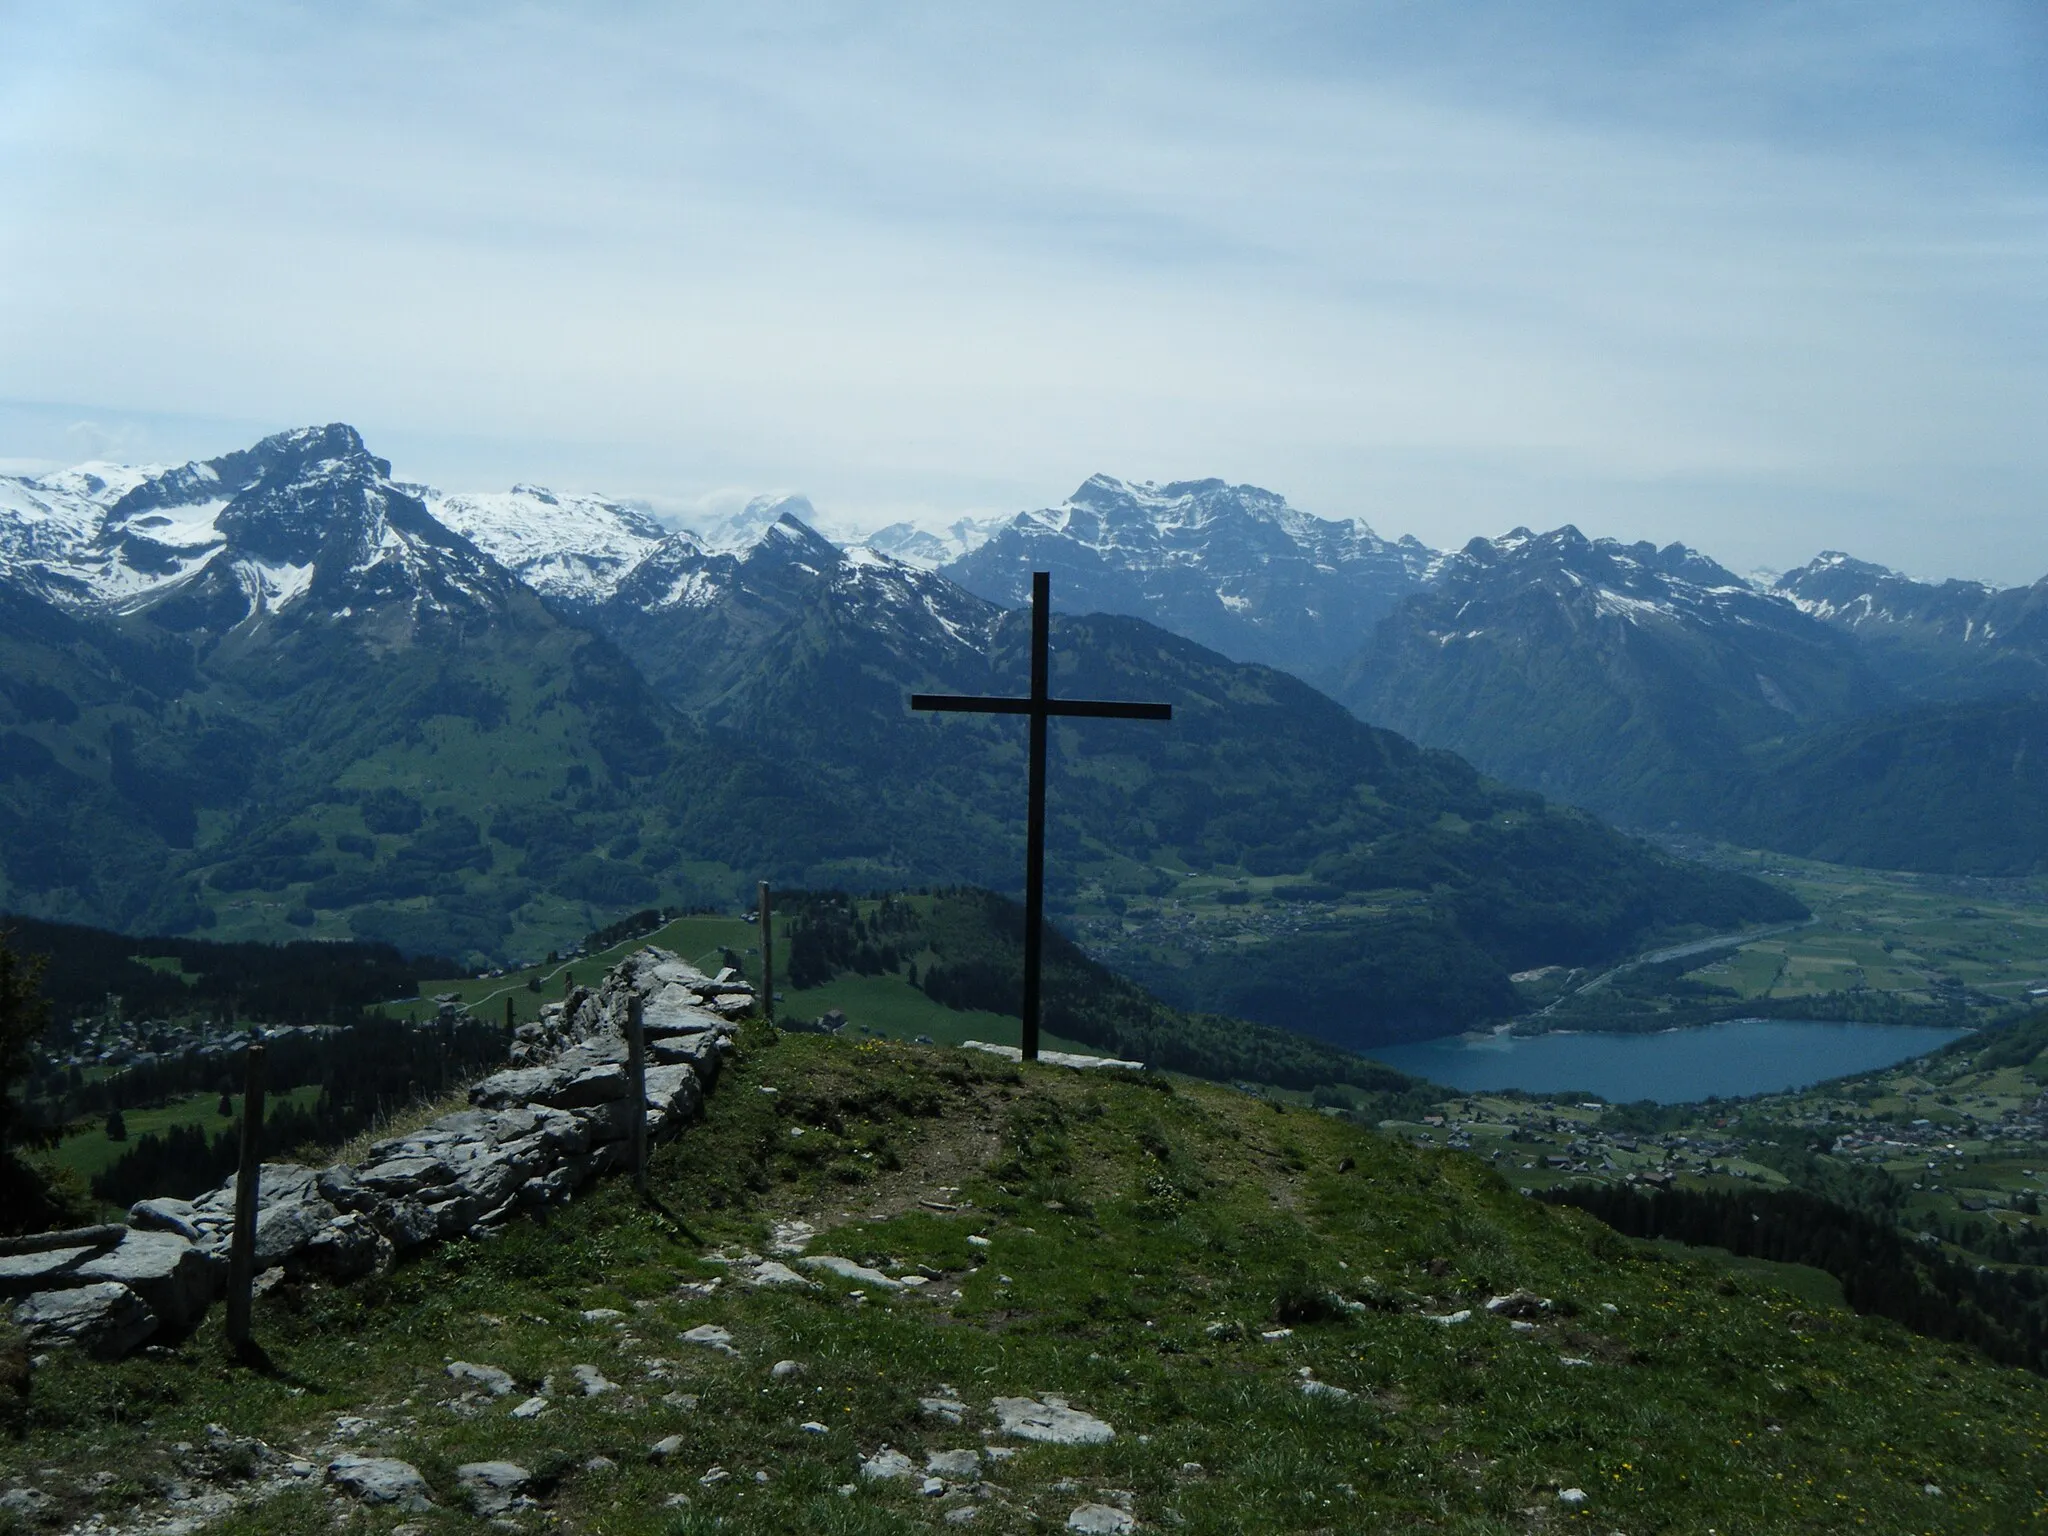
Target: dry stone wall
(535, 1134)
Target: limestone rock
(174, 1278)
(164, 1215)
(957, 1465)
(1052, 1421)
(712, 1337)
(494, 1381)
(492, 1486)
(887, 1465)
(106, 1319)
(381, 1480)
(1101, 1520)
(846, 1269)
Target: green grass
(90, 1152)
(1816, 1287)
(1123, 1218)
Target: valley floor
(1284, 1317)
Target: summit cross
(1040, 706)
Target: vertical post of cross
(242, 1247)
(1034, 832)
(767, 927)
(636, 1090)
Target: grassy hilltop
(1135, 1245)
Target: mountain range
(281, 691)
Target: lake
(1731, 1060)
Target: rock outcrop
(536, 1133)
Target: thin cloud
(1763, 278)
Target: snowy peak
(927, 548)
(216, 543)
(570, 547)
(1631, 582)
(1231, 566)
(1858, 594)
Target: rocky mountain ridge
(1235, 568)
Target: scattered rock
(26, 1503)
(947, 1406)
(666, 1447)
(532, 1408)
(1572, 1498)
(1310, 1387)
(711, 1336)
(492, 1486)
(380, 1480)
(1523, 1304)
(603, 1315)
(1452, 1319)
(813, 1427)
(886, 1465)
(592, 1381)
(489, 1377)
(846, 1269)
(106, 1320)
(784, 1370)
(1101, 1520)
(598, 1465)
(773, 1272)
(958, 1465)
(1053, 1422)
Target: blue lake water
(1742, 1056)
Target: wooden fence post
(636, 1091)
(242, 1247)
(767, 956)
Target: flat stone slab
(1101, 1520)
(846, 1269)
(492, 1486)
(887, 1465)
(494, 1381)
(1051, 1422)
(106, 1319)
(175, 1279)
(1072, 1059)
(381, 1480)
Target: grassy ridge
(1140, 1240)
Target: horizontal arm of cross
(1110, 709)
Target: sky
(1763, 278)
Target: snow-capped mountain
(1624, 677)
(928, 549)
(1950, 639)
(569, 547)
(214, 543)
(1232, 566)
(685, 608)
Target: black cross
(1040, 706)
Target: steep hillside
(1234, 568)
(1954, 788)
(330, 712)
(1254, 1320)
(1948, 640)
(1624, 678)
